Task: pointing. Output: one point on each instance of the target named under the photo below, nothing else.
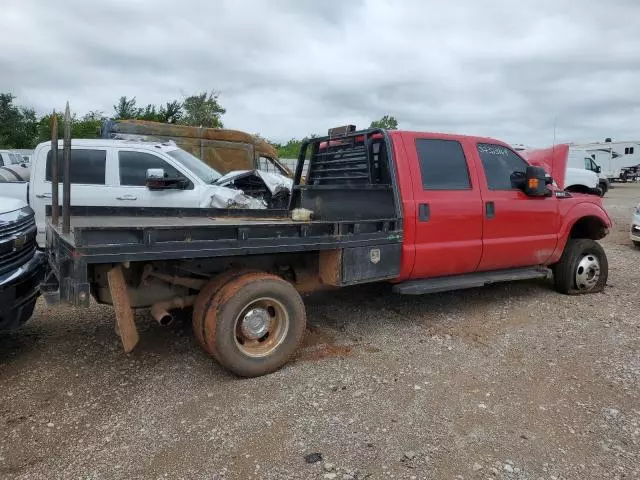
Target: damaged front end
(243, 189)
(253, 189)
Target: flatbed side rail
(117, 244)
(175, 212)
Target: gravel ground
(507, 382)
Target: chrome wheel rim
(587, 272)
(261, 327)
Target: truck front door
(518, 230)
(448, 206)
(132, 190)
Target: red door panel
(448, 222)
(518, 230)
(521, 233)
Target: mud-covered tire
(282, 309)
(583, 268)
(636, 244)
(204, 298)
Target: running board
(468, 280)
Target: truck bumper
(19, 290)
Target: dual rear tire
(250, 322)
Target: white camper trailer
(613, 157)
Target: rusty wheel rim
(261, 327)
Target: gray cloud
(287, 68)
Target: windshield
(203, 171)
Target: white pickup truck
(112, 173)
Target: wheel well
(589, 227)
(577, 189)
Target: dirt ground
(507, 382)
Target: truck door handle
(127, 197)
(43, 195)
(490, 209)
(423, 212)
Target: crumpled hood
(223, 197)
(273, 181)
(553, 159)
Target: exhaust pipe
(160, 310)
(161, 316)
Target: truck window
(442, 164)
(499, 163)
(88, 167)
(134, 165)
(266, 165)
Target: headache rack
(349, 172)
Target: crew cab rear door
(90, 181)
(518, 230)
(448, 206)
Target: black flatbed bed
(354, 236)
(100, 235)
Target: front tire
(583, 268)
(254, 324)
(603, 189)
(636, 244)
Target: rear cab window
(88, 166)
(443, 165)
(499, 163)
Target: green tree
(147, 113)
(291, 149)
(88, 126)
(171, 112)
(18, 125)
(126, 109)
(203, 110)
(388, 122)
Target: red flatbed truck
(427, 212)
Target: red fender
(574, 214)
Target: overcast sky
(287, 68)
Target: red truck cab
(463, 214)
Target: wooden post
(122, 306)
